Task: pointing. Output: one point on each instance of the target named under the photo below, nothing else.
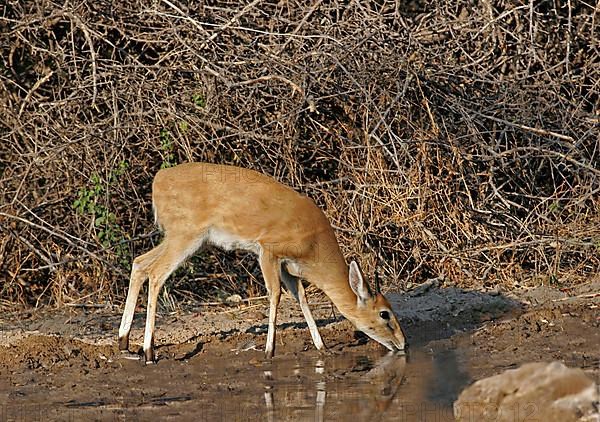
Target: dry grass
(452, 139)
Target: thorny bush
(443, 139)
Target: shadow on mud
(428, 313)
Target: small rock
(233, 300)
(67, 349)
(256, 362)
(495, 291)
(425, 287)
(535, 391)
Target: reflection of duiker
(366, 400)
(385, 379)
(320, 386)
(235, 208)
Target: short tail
(156, 220)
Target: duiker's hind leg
(139, 274)
(269, 268)
(176, 248)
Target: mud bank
(64, 364)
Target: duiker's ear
(357, 283)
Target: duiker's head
(373, 314)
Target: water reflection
(385, 379)
(358, 387)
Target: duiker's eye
(385, 315)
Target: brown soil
(64, 364)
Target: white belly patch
(229, 241)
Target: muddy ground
(64, 364)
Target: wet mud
(65, 364)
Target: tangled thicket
(446, 139)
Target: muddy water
(308, 387)
(357, 387)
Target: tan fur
(238, 208)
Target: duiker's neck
(333, 281)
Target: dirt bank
(64, 364)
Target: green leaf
(199, 100)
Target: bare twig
(527, 128)
(34, 88)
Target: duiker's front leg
(312, 325)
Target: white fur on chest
(228, 241)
